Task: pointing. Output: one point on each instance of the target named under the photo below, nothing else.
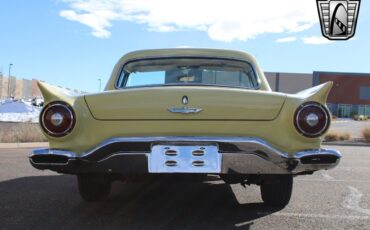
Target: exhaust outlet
(319, 159)
(49, 159)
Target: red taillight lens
(312, 119)
(57, 119)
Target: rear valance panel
(215, 103)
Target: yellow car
(193, 111)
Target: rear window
(187, 71)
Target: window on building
(365, 93)
(364, 110)
(331, 108)
(344, 110)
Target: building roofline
(288, 72)
(342, 73)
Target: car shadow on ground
(49, 202)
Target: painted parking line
(335, 180)
(312, 215)
(326, 176)
(353, 200)
(352, 168)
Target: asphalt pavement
(334, 199)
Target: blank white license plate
(184, 159)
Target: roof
(187, 52)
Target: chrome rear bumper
(236, 154)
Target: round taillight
(57, 119)
(312, 119)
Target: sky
(73, 43)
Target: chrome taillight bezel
(68, 109)
(298, 125)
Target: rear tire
(93, 188)
(276, 190)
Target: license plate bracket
(184, 159)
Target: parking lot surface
(334, 199)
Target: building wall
(271, 78)
(18, 91)
(1, 83)
(27, 88)
(4, 88)
(13, 83)
(19, 88)
(350, 94)
(289, 82)
(347, 88)
(35, 91)
(293, 82)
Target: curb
(23, 145)
(363, 144)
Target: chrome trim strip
(184, 110)
(45, 151)
(313, 152)
(247, 144)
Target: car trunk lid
(169, 103)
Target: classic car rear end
(186, 111)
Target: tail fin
(318, 93)
(53, 93)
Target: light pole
(99, 84)
(10, 67)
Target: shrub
(344, 136)
(336, 136)
(360, 118)
(366, 133)
(331, 137)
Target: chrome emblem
(185, 100)
(338, 18)
(184, 110)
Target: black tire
(93, 188)
(276, 190)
